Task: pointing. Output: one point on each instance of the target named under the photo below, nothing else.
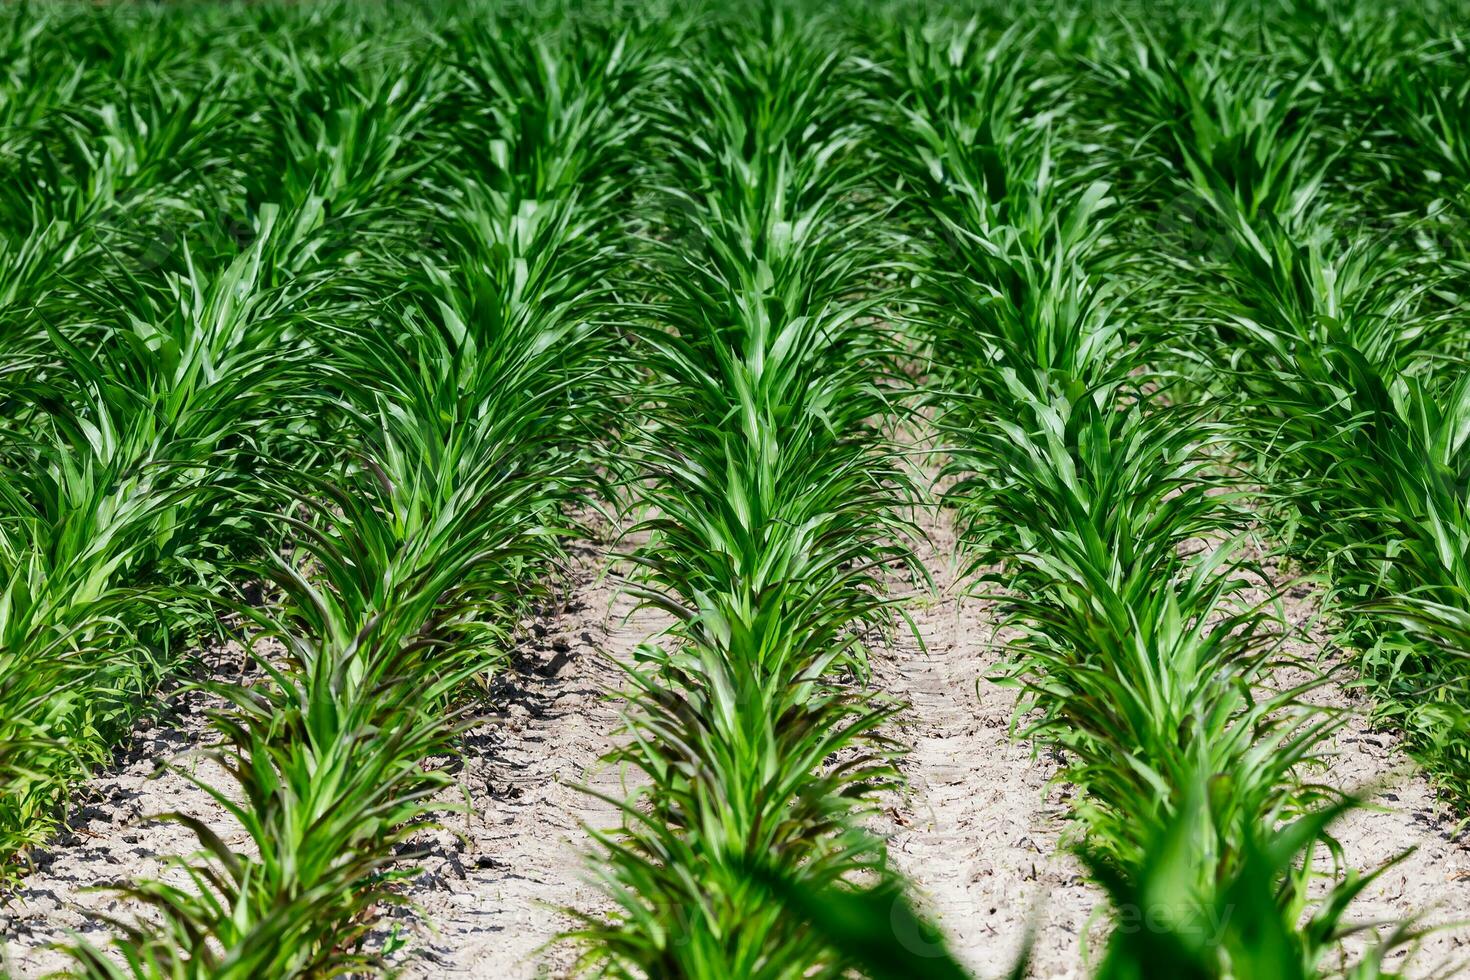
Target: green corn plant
(1138, 662)
(1341, 359)
(353, 136)
(1141, 665)
(325, 757)
(1346, 375)
(30, 265)
(1356, 47)
(1236, 130)
(1008, 234)
(1361, 58)
(177, 372)
(772, 498)
(116, 156)
(111, 500)
(38, 75)
(78, 640)
(136, 440)
(550, 112)
(1260, 924)
(1416, 183)
(464, 408)
(103, 171)
(730, 782)
(534, 207)
(408, 579)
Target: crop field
(687, 489)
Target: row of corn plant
(1119, 544)
(139, 413)
(771, 492)
(468, 406)
(117, 510)
(120, 395)
(1332, 319)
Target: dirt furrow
(491, 900)
(1404, 814)
(978, 833)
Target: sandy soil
(1403, 812)
(978, 833)
(109, 839)
(492, 901)
(1432, 883)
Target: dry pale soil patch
(978, 833)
